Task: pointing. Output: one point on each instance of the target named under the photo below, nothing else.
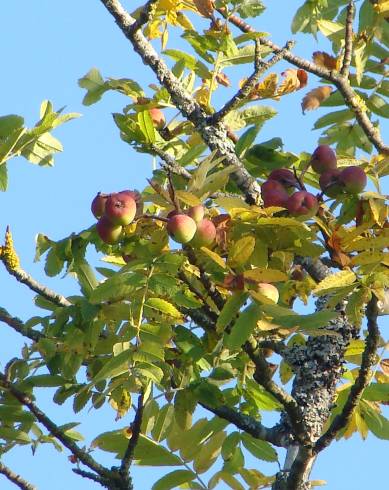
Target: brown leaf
(385, 366)
(205, 7)
(293, 80)
(222, 224)
(223, 79)
(315, 97)
(324, 60)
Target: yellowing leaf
(214, 256)
(163, 306)
(327, 27)
(241, 251)
(315, 97)
(265, 275)
(294, 79)
(334, 281)
(188, 198)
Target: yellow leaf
(365, 243)
(188, 198)
(263, 324)
(325, 60)
(294, 79)
(229, 203)
(369, 257)
(265, 275)
(334, 281)
(214, 256)
(241, 251)
(355, 347)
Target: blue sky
(45, 47)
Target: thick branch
(350, 97)
(249, 85)
(81, 455)
(214, 135)
(363, 378)
(348, 40)
(15, 478)
(315, 267)
(19, 326)
(249, 425)
(129, 454)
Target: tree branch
(249, 84)
(19, 326)
(81, 455)
(15, 478)
(363, 378)
(249, 425)
(170, 163)
(348, 40)
(11, 262)
(215, 136)
(129, 454)
(350, 97)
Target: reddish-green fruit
(196, 213)
(138, 201)
(120, 208)
(354, 179)
(273, 194)
(181, 228)
(269, 291)
(157, 117)
(323, 159)
(205, 234)
(284, 176)
(302, 203)
(329, 183)
(98, 205)
(108, 232)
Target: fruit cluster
(191, 227)
(333, 181)
(278, 190)
(113, 212)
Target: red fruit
(354, 179)
(120, 208)
(329, 183)
(302, 203)
(157, 117)
(98, 205)
(108, 232)
(205, 234)
(323, 159)
(284, 176)
(181, 228)
(138, 201)
(196, 212)
(273, 194)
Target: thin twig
(249, 425)
(170, 163)
(368, 356)
(19, 326)
(55, 430)
(16, 479)
(348, 40)
(350, 97)
(129, 454)
(249, 84)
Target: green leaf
(209, 452)
(247, 139)
(146, 126)
(10, 434)
(256, 114)
(259, 449)
(184, 406)
(45, 380)
(9, 124)
(243, 327)
(250, 8)
(119, 286)
(311, 321)
(377, 392)
(163, 422)
(230, 310)
(93, 82)
(174, 479)
(3, 177)
(333, 117)
(378, 105)
(9, 144)
(377, 423)
(114, 366)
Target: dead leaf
(205, 7)
(293, 80)
(325, 60)
(315, 97)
